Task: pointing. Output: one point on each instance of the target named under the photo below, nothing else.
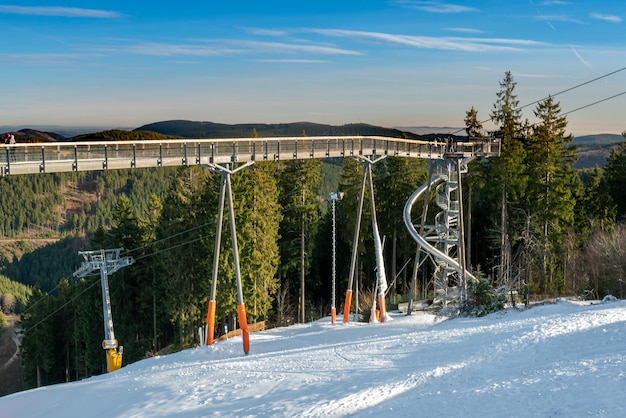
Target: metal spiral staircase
(443, 239)
(445, 235)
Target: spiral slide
(423, 243)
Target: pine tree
(615, 177)
(552, 185)
(186, 229)
(596, 209)
(37, 350)
(299, 184)
(473, 126)
(503, 181)
(396, 178)
(258, 217)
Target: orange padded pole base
(333, 315)
(382, 307)
(243, 324)
(346, 306)
(210, 322)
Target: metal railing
(53, 157)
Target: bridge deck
(94, 156)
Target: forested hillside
(120, 135)
(13, 296)
(46, 219)
(193, 129)
(594, 150)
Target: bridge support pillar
(227, 194)
(381, 283)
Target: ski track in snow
(558, 360)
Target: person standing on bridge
(10, 140)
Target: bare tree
(602, 264)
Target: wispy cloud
(224, 47)
(49, 59)
(434, 6)
(533, 75)
(265, 32)
(464, 30)
(169, 50)
(559, 18)
(291, 61)
(428, 42)
(291, 48)
(607, 18)
(554, 3)
(58, 11)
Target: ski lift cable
(167, 238)
(89, 287)
(48, 293)
(575, 87)
(594, 103)
(56, 310)
(173, 247)
(398, 275)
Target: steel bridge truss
(56, 157)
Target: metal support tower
(226, 193)
(444, 240)
(334, 197)
(447, 233)
(108, 262)
(381, 283)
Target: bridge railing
(53, 157)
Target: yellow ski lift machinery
(108, 262)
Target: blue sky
(390, 62)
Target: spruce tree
(258, 217)
(551, 189)
(504, 175)
(299, 184)
(615, 178)
(37, 350)
(186, 230)
(596, 208)
(396, 178)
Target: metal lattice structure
(445, 235)
(443, 240)
(107, 262)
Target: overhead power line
(577, 86)
(565, 91)
(594, 103)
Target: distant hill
(425, 130)
(593, 150)
(192, 129)
(63, 131)
(36, 136)
(121, 135)
(597, 139)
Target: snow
(555, 360)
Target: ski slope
(556, 360)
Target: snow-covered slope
(561, 360)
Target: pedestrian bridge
(221, 155)
(55, 157)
